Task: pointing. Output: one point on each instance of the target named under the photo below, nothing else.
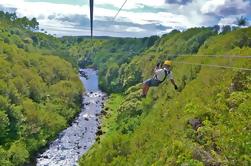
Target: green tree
(34, 24)
(241, 21)
(226, 29)
(18, 153)
(4, 159)
(4, 125)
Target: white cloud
(52, 17)
(44, 10)
(211, 6)
(134, 29)
(130, 4)
(227, 21)
(225, 8)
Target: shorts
(152, 82)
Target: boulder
(195, 123)
(103, 112)
(205, 157)
(62, 157)
(99, 132)
(46, 157)
(97, 139)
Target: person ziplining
(161, 72)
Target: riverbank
(108, 122)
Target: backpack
(166, 73)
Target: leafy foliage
(157, 130)
(22, 32)
(242, 21)
(39, 92)
(110, 56)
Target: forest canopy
(39, 92)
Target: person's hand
(175, 87)
(158, 64)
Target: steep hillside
(110, 55)
(22, 32)
(121, 61)
(39, 92)
(206, 123)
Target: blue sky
(138, 18)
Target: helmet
(167, 62)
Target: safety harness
(166, 73)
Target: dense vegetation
(110, 56)
(22, 33)
(206, 123)
(39, 92)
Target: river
(74, 141)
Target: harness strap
(166, 73)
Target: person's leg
(146, 86)
(145, 90)
(149, 83)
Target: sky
(138, 18)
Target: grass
(112, 104)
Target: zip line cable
(215, 66)
(212, 56)
(188, 63)
(119, 10)
(91, 16)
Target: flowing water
(74, 141)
